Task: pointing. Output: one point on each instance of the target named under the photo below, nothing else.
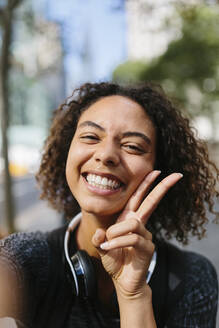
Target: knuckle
(134, 224)
(151, 247)
(109, 233)
(136, 239)
(149, 235)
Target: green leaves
(189, 69)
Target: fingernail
(157, 171)
(180, 174)
(151, 175)
(105, 245)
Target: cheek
(77, 156)
(140, 169)
(72, 163)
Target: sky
(94, 36)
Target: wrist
(141, 294)
(136, 309)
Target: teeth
(102, 183)
(97, 179)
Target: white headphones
(82, 268)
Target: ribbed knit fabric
(28, 255)
(198, 307)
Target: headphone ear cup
(85, 272)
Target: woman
(128, 161)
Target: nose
(107, 153)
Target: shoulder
(196, 267)
(22, 247)
(199, 269)
(201, 282)
(198, 304)
(199, 275)
(34, 250)
(24, 267)
(26, 253)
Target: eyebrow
(92, 124)
(137, 134)
(125, 134)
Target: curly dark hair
(183, 210)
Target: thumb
(98, 238)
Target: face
(112, 150)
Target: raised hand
(126, 248)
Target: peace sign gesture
(126, 247)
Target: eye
(89, 138)
(133, 148)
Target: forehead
(117, 110)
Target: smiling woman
(125, 160)
(106, 148)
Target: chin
(102, 211)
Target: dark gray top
(28, 257)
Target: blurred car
(25, 144)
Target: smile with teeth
(102, 182)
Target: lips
(107, 182)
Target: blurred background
(50, 47)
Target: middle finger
(136, 199)
(154, 197)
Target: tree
(191, 62)
(189, 68)
(130, 71)
(6, 21)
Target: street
(31, 212)
(25, 195)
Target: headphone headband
(72, 225)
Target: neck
(88, 226)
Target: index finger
(154, 197)
(136, 199)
